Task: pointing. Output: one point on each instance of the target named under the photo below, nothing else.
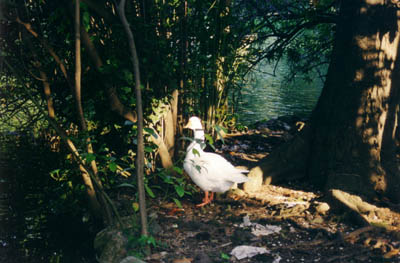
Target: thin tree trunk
(106, 214)
(78, 70)
(140, 142)
(169, 132)
(183, 98)
(174, 108)
(78, 105)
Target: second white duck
(209, 171)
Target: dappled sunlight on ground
(288, 223)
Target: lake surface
(266, 96)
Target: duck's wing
(218, 168)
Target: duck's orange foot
(206, 199)
(204, 203)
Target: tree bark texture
(140, 141)
(94, 198)
(350, 142)
(95, 206)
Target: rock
(256, 180)
(155, 228)
(132, 259)
(110, 246)
(110, 243)
(158, 256)
(202, 258)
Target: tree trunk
(94, 203)
(350, 143)
(140, 141)
(169, 132)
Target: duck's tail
(239, 177)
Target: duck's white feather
(210, 171)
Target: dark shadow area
(40, 222)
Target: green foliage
(172, 178)
(226, 40)
(204, 53)
(48, 197)
(139, 245)
(225, 256)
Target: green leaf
(168, 180)
(55, 174)
(178, 170)
(209, 139)
(218, 129)
(127, 89)
(128, 76)
(225, 256)
(151, 131)
(178, 203)
(195, 152)
(135, 206)
(148, 149)
(210, 142)
(86, 20)
(90, 157)
(149, 191)
(180, 190)
(112, 166)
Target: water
(266, 96)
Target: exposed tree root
(362, 212)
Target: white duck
(209, 171)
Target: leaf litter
(274, 224)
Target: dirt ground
(287, 223)
(211, 233)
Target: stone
(256, 180)
(202, 258)
(110, 246)
(132, 259)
